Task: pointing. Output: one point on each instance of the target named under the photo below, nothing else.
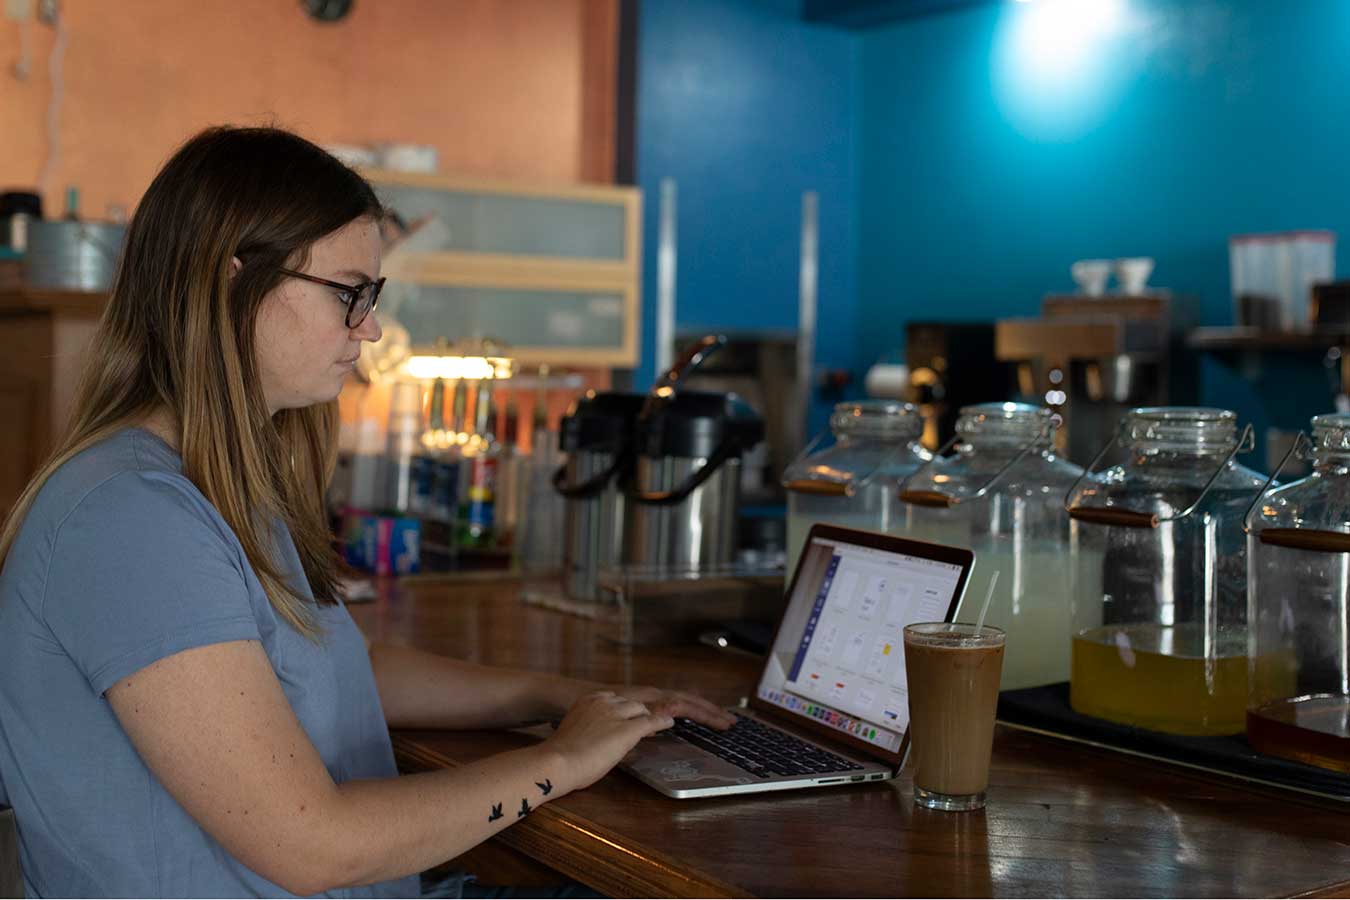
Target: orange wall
(500, 87)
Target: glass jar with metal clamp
(1160, 580)
(854, 482)
(1298, 551)
(1002, 495)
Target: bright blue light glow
(1054, 63)
(1056, 37)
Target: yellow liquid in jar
(1158, 677)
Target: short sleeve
(142, 568)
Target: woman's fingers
(629, 709)
(679, 704)
(696, 708)
(651, 724)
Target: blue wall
(987, 168)
(746, 107)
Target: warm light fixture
(453, 368)
(472, 359)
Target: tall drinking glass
(953, 674)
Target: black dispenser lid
(695, 423)
(600, 421)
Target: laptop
(832, 705)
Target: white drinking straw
(987, 597)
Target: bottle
(511, 481)
(539, 432)
(422, 501)
(72, 204)
(481, 460)
(403, 448)
(445, 458)
(538, 547)
(511, 422)
(367, 485)
(458, 423)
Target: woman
(185, 706)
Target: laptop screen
(838, 659)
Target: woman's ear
(235, 266)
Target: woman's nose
(368, 330)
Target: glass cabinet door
(552, 272)
(543, 325)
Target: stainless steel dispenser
(597, 435)
(686, 475)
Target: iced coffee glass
(953, 692)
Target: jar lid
(1018, 423)
(1331, 433)
(600, 421)
(884, 419)
(1195, 427)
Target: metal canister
(597, 436)
(686, 479)
(72, 256)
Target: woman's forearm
(423, 690)
(378, 830)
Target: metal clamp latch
(944, 500)
(1129, 518)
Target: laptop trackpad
(668, 759)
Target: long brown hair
(177, 334)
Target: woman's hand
(679, 705)
(598, 731)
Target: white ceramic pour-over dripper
(1091, 275)
(1132, 274)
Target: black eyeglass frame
(348, 294)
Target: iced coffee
(953, 675)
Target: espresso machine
(951, 365)
(1092, 358)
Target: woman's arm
(423, 690)
(214, 726)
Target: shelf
(77, 303)
(1254, 339)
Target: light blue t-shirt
(120, 562)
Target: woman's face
(304, 347)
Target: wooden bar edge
(1339, 889)
(582, 850)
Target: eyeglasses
(360, 299)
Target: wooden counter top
(73, 303)
(1062, 820)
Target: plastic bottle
(403, 448)
(481, 462)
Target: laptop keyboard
(761, 750)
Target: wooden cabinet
(551, 271)
(44, 335)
